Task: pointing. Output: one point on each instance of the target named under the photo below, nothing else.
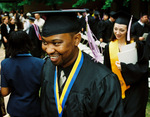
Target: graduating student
(105, 28)
(133, 77)
(89, 88)
(35, 36)
(140, 27)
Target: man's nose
(50, 49)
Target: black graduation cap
(105, 13)
(143, 14)
(126, 19)
(31, 18)
(113, 14)
(96, 13)
(60, 21)
(122, 17)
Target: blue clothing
(22, 75)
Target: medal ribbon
(68, 85)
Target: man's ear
(77, 38)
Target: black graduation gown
(148, 44)
(138, 30)
(4, 33)
(104, 30)
(12, 27)
(95, 93)
(137, 77)
(94, 28)
(37, 44)
(91, 22)
(82, 23)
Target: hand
(141, 38)
(118, 65)
(101, 40)
(82, 29)
(5, 40)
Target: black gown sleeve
(107, 57)
(133, 73)
(148, 45)
(100, 29)
(4, 31)
(105, 98)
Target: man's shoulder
(41, 19)
(96, 67)
(136, 24)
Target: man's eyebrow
(43, 39)
(56, 40)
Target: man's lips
(54, 57)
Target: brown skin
(62, 48)
(37, 16)
(5, 91)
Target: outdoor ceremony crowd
(47, 74)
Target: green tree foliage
(107, 4)
(81, 2)
(7, 7)
(54, 3)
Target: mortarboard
(60, 21)
(126, 19)
(143, 14)
(113, 14)
(31, 18)
(122, 18)
(105, 13)
(96, 13)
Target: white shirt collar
(141, 23)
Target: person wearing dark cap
(35, 36)
(72, 83)
(88, 13)
(105, 29)
(133, 76)
(105, 16)
(140, 27)
(95, 22)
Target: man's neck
(141, 23)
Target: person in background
(105, 29)
(35, 36)
(133, 76)
(5, 32)
(12, 25)
(72, 83)
(26, 23)
(20, 76)
(105, 16)
(39, 21)
(17, 20)
(95, 22)
(140, 27)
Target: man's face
(37, 16)
(144, 19)
(112, 19)
(105, 17)
(61, 48)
